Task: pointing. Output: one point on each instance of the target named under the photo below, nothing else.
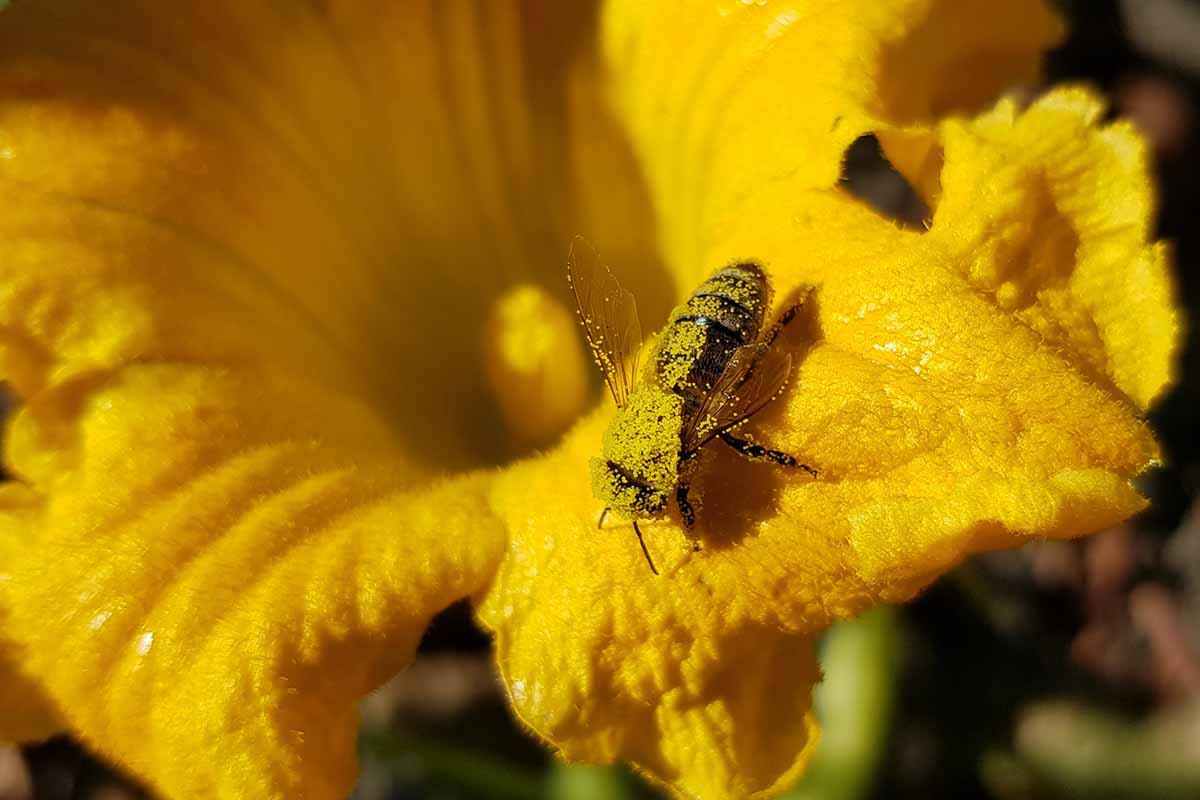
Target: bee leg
(642, 542)
(685, 508)
(756, 452)
(603, 516)
(686, 512)
(787, 316)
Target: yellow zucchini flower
(282, 303)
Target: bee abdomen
(725, 313)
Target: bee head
(624, 492)
(640, 466)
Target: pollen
(643, 440)
(536, 367)
(678, 353)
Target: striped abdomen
(725, 313)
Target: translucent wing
(753, 377)
(610, 319)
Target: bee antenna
(642, 542)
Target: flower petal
(942, 424)
(607, 662)
(313, 184)
(1050, 215)
(231, 560)
(226, 532)
(28, 714)
(722, 98)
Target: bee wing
(754, 376)
(610, 318)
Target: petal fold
(723, 97)
(230, 236)
(233, 560)
(29, 715)
(312, 185)
(609, 663)
(1050, 214)
(941, 424)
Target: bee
(714, 367)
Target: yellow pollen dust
(738, 291)
(678, 354)
(535, 364)
(643, 440)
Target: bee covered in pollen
(714, 368)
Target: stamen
(536, 366)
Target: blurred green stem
(854, 704)
(584, 782)
(476, 772)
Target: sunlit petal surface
(943, 419)
(258, 267)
